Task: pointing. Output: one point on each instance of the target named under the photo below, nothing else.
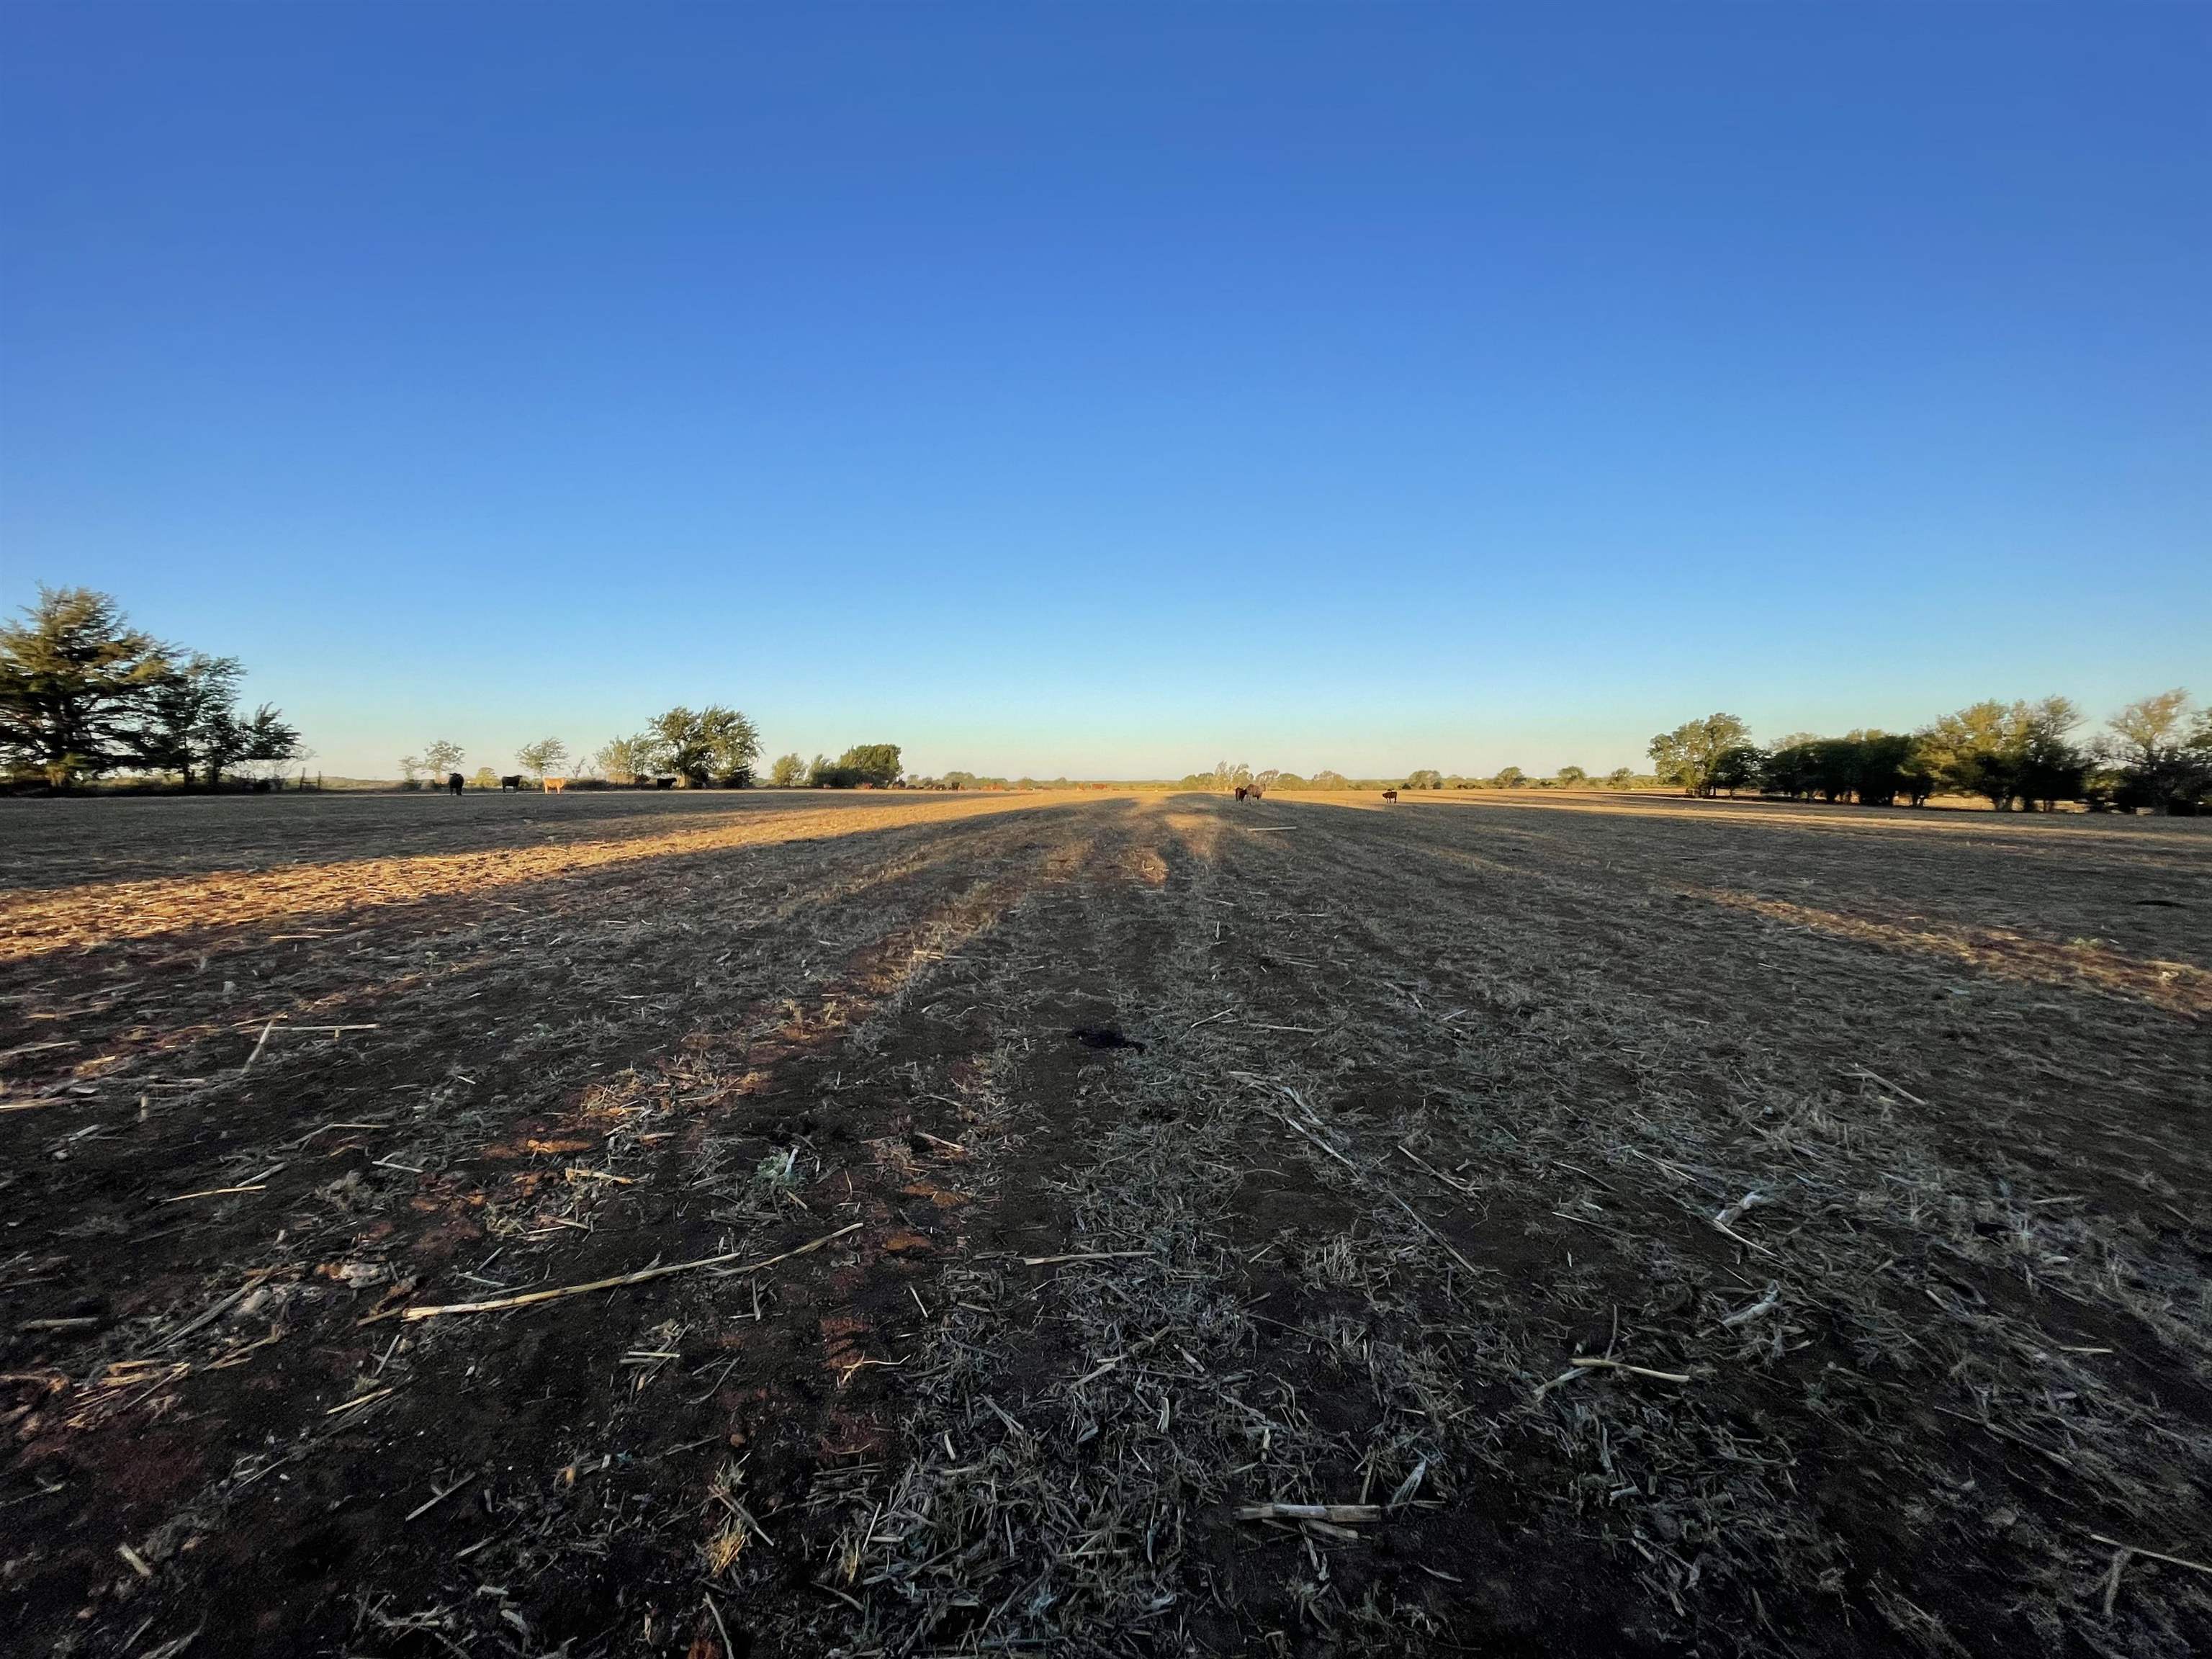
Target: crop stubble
(1621, 1225)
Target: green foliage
(626, 760)
(485, 778)
(787, 771)
(75, 680)
(1510, 777)
(1328, 778)
(1427, 779)
(188, 722)
(715, 742)
(876, 764)
(2161, 758)
(1620, 777)
(1290, 780)
(1700, 755)
(2019, 754)
(547, 755)
(1571, 777)
(443, 757)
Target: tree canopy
(84, 693)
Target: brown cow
(1389, 794)
(1241, 791)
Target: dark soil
(1687, 1229)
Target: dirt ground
(1647, 1227)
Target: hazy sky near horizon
(1106, 390)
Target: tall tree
(626, 760)
(443, 756)
(788, 771)
(714, 743)
(546, 755)
(187, 719)
(2151, 745)
(871, 762)
(1693, 754)
(75, 677)
(1571, 777)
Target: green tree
(1290, 780)
(442, 757)
(715, 742)
(1571, 777)
(485, 778)
(626, 760)
(187, 714)
(2162, 759)
(1327, 778)
(2018, 754)
(1691, 755)
(1428, 778)
(787, 772)
(75, 678)
(1620, 777)
(877, 764)
(547, 755)
(411, 769)
(1510, 777)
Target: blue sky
(1105, 389)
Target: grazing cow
(1241, 791)
(664, 783)
(512, 782)
(555, 786)
(1389, 794)
(454, 780)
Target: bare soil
(1667, 1227)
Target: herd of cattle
(456, 782)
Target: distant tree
(264, 743)
(714, 743)
(625, 760)
(73, 680)
(1228, 774)
(876, 763)
(442, 757)
(547, 755)
(1510, 777)
(1290, 780)
(1620, 777)
(1427, 779)
(2162, 759)
(1328, 778)
(189, 717)
(1691, 755)
(1267, 778)
(1571, 777)
(485, 778)
(410, 772)
(2021, 754)
(787, 771)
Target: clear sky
(1108, 389)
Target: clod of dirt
(1103, 1037)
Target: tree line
(84, 693)
(2155, 755)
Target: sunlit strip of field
(33, 924)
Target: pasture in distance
(1646, 1226)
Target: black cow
(1389, 794)
(1241, 791)
(453, 781)
(515, 781)
(664, 783)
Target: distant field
(1663, 1226)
